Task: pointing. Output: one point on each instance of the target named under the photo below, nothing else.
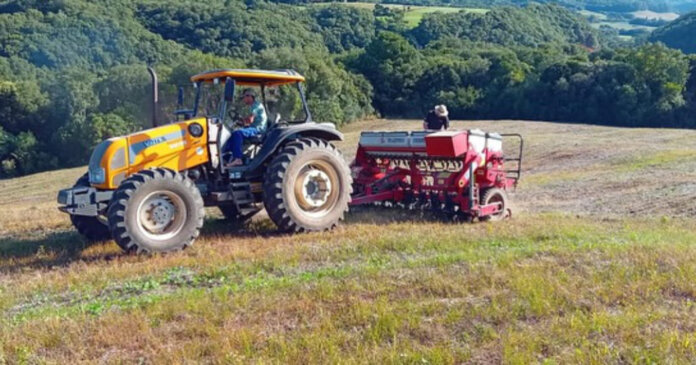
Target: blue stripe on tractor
(136, 148)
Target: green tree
(344, 28)
(393, 64)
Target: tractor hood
(177, 146)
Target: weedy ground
(569, 279)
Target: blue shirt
(260, 118)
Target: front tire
(156, 210)
(92, 228)
(307, 186)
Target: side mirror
(180, 97)
(229, 89)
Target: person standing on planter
(437, 119)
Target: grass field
(593, 14)
(598, 20)
(623, 26)
(647, 14)
(596, 266)
(413, 14)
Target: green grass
(413, 14)
(545, 287)
(623, 26)
(655, 160)
(387, 286)
(596, 15)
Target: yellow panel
(170, 146)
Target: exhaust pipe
(155, 94)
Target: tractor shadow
(383, 215)
(259, 226)
(62, 248)
(44, 251)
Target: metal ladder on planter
(516, 172)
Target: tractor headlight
(195, 129)
(97, 176)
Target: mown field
(412, 13)
(596, 266)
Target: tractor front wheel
(92, 228)
(156, 210)
(307, 186)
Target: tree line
(72, 72)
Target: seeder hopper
(459, 173)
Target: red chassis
(434, 169)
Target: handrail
(517, 171)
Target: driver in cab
(253, 124)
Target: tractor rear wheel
(156, 210)
(307, 187)
(92, 228)
(495, 195)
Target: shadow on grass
(52, 249)
(253, 228)
(386, 215)
(61, 248)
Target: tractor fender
(277, 137)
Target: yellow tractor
(148, 190)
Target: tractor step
(241, 192)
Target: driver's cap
(249, 92)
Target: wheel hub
(317, 188)
(161, 215)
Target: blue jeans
(237, 140)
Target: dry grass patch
(588, 284)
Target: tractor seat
(257, 139)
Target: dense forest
(72, 72)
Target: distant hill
(680, 33)
(532, 25)
(620, 6)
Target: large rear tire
(92, 228)
(307, 186)
(156, 210)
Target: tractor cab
(218, 98)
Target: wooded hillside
(72, 72)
